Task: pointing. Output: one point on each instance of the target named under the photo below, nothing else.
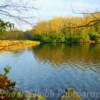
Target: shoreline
(17, 44)
(21, 44)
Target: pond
(49, 69)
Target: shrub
(92, 36)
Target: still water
(51, 68)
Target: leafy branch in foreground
(8, 91)
(7, 70)
(5, 82)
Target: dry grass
(16, 44)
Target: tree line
(58, 29)
(69, 29)
(8, 31)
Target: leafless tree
(17, 9)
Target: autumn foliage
(69, 29)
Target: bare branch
(91, 23)
(12, 16)
(8, 6)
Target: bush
(92, 36)
(72, 39)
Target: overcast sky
(47, 9)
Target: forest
(84, 29)
(69, 29)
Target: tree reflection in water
(63, 53)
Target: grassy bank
(61, 38)
(16, 44)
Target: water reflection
(78, 67)
(61, 53)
